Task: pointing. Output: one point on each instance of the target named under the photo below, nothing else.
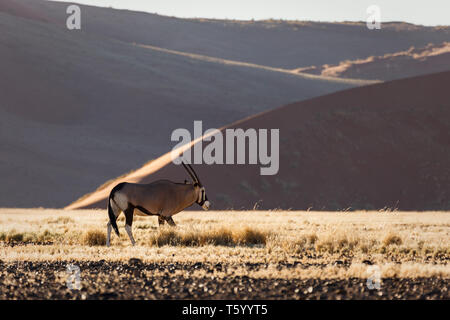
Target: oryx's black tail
(112, 216)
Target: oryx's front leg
(162, 219)
(128, 223)
(171, 222)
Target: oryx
(162, 198)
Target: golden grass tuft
(392, 239)
(336, 243)
(216, 237)
(94, 238)
(13, 236)
(249, 236)
(307, 240)
(60, 220)
(222, 237)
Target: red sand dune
(22, 9)
(275, 43)
(79, 107)
(403, 64)
(381, 145)
(76, 106)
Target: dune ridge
(403, 64)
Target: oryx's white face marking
(202, 200)
(201, 194)
(121, 200)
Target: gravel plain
(137, 280)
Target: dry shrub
(305, 242)
(218, 237)
(94, 238)
(392, 239)
(336, 243)
(308, 240)
(312, 238)
(15, 237)
(61, 220)
(249, 236)
(28, 237)
(165, 237)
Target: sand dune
(23, 9)
(280, 44)
(78, 108)
(403, 64)
(381, 145)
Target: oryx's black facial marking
(202, 197)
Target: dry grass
(13, 236)
(216, 237)
(392, 239)
(401, 243)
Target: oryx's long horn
(193, 176)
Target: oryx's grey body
(162, 198)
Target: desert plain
(273, 254)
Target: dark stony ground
(134, 280)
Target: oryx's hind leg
(116, 210)
(161, 221)
(129, 212)
(171, 222)
(108, 233)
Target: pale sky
(425, 12)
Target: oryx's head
(202, 199)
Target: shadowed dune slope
(77, 108)
(381, 145)
(283, 44)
